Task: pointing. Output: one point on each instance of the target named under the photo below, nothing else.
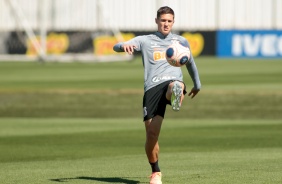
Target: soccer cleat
(156, 178)
(176, 96)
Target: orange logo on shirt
(158, 55)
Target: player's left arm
(193, 72)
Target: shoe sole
(176, 96)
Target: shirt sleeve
(192, 69)
(117, 47)
(193, 72)
(137, 41)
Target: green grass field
(82, 123)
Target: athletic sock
(155, 167)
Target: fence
(139, 14)
(87, 29)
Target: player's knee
(170, 87)
(152, 135)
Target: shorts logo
(145, 111)
(162, 78)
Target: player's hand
(193, 92)
(128, 48)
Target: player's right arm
(122, 47)
(129, 46)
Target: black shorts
(154, 101)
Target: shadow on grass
(102, 179)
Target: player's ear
(156, 20)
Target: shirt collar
(160, 35)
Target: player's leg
(154, 105)
(175, 94)
(153, 128)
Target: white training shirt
(156, 69)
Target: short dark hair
(164, 10)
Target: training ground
(81, 123)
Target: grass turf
(82, 123)
(111, 151)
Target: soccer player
(163, 83)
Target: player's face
(165, 23)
